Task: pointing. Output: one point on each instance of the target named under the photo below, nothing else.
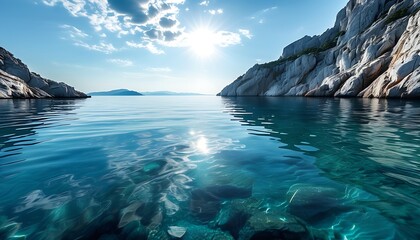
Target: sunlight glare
(203, 42)
(202, 145)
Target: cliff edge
(373, 50)
(16, 81)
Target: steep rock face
(16, 81)
(373, 50)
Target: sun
(202, 42)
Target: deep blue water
(248, 168)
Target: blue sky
(150, 45)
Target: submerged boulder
(7, 230)
(205, 203)
(314, 203)
(274, 225)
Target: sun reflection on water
(202, 145)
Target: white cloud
(121, 62)
(246, 33)
(82, 39)
(225, 38)
(158, 69)
(104, 47)
(261, 14)
(269, 9)
(50, 2)
(216, 11)
(153, 23)
(74, 32)
(148, 45)
(127, 17)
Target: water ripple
(81, 169)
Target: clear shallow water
(121, 168)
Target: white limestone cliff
(373, 50)
(16, 81)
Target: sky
(154, 45)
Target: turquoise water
(209, 168)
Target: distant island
(168, 93)
(116, 92)
(127, 92)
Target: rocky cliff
(16, 81)
(373, 50)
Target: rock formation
(16, 81)
(373, 50)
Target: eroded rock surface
(16, 81)
(373, 50)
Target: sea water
(205, 167)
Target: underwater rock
(158, 234)
(254, 218)
(232, 220)
(134, 231)
(204, 210)
(108, 237)
(17, 237)
(150, 213)
(177, 232)
(198, 232)
(222, 192)
(153, 167)
(234, 214)
(311, 203)
(274, 226)
(129, 214)
(8, 229)
(206, 202)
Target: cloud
(225, 38)
(74, 32)
(144, 24)
(167, 22)
(269, 9)
(246, 33)
(137, 10)
(50, 2)
(124, 17)
(171, 36)
(204, 3)
(104, 47)
(148, 45)
(216, 11)
(261, 14)
(81, 39)
(154, 34)
(121, 62)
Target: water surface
(135, 167)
